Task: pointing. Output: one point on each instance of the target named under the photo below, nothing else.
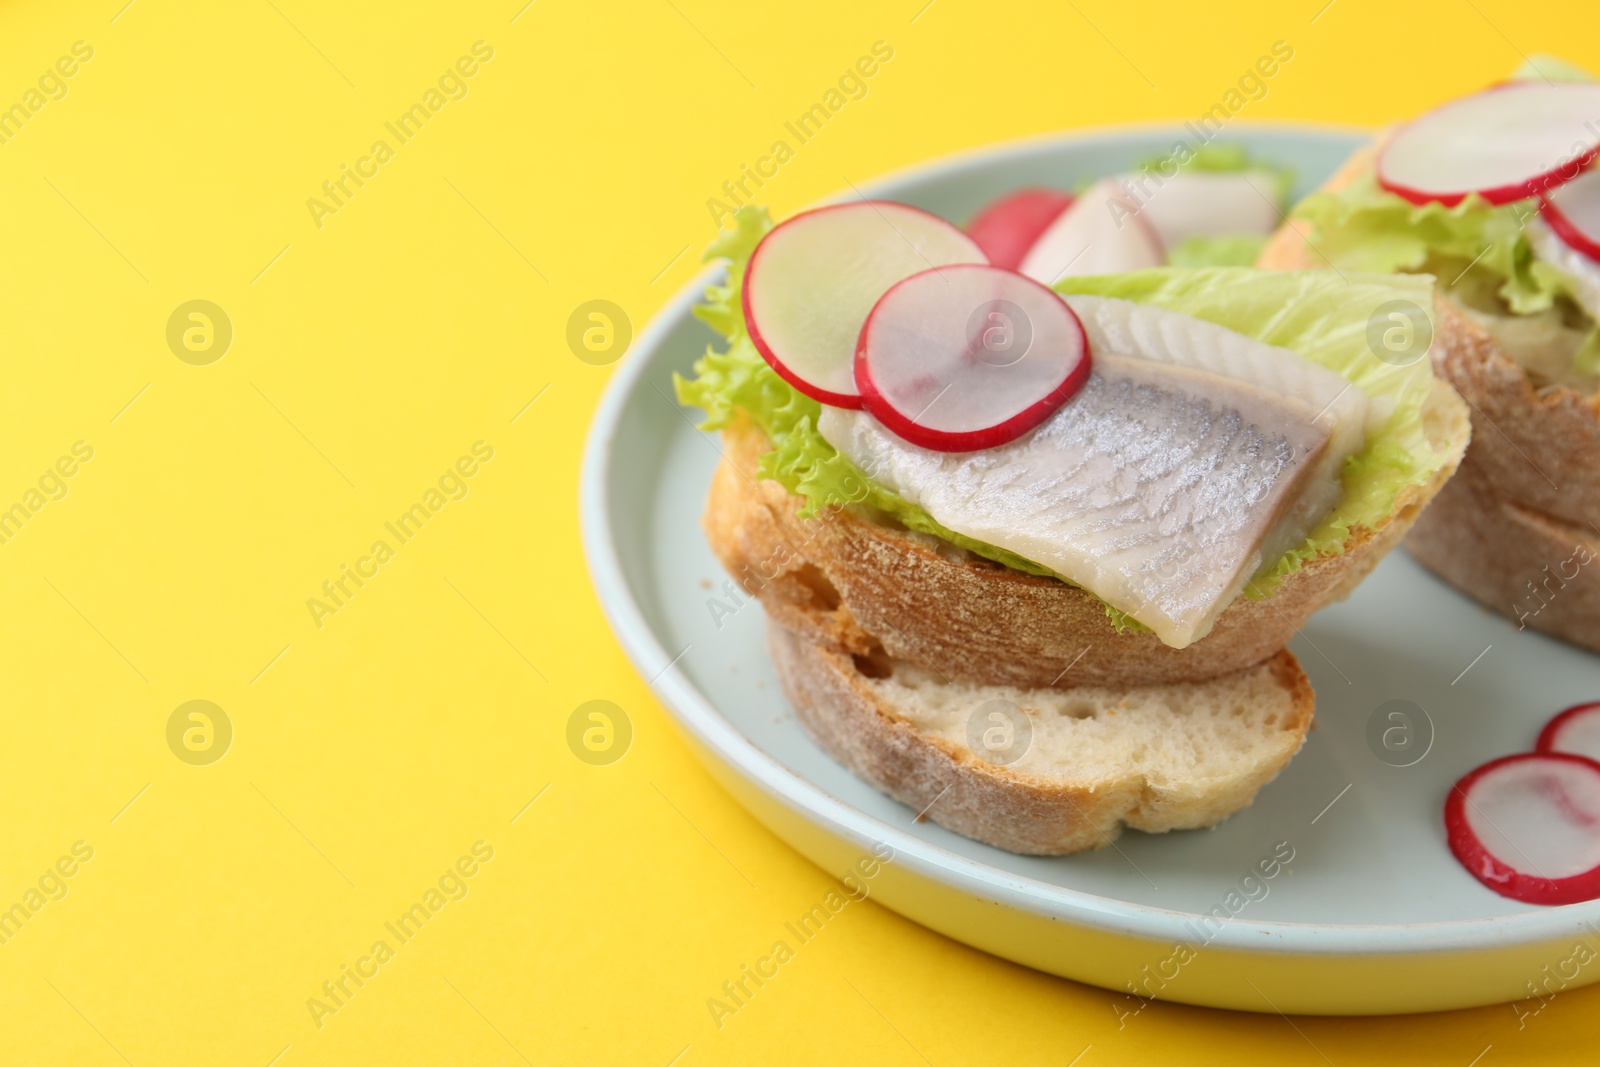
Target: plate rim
(695, 712)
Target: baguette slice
(1540, 572)
(1154, 758)
(854, 581)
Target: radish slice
(967, 357)
(1101, 233)
(813, 279)
(1576, 730)
(1204, 204)
(1573, 213)
(1007, 228)
(1505, 143)
(1528, 826)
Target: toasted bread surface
(1086, 763)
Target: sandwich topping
(1566, 235)
(1509, 142)
(1496, 195)
(812, 281)
(1192, 455)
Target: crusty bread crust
(1540, 449)
(852, 582)
(1529, 492)
(994, 804)
(1539, 572)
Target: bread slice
(1530, 489)
(1539, 442)
(1155, 758)
(1542, 573)
(1538, 445)
(852, 581)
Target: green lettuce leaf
(1323, 317)
(1367, 228)
(1316, 313)
(1231, 250)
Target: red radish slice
(1576, 730)
(1101, 233)
(1528, 826)
(813, 279)
(1573, 213)
(1505, 143)
(1007, 228)
(967, 357)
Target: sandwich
(1497, 196)
(1030, 553)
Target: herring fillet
(1155, 488)
(1193, 455)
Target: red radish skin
(838, 400)
(957, 247)
(1496, 873)
(822, 396)
(975, 440)
(884, 410)
(1007, 228)
(1584, 718)
(1565, 223)
(1545, 174)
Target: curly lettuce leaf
(1316, 313)
(1365, 227)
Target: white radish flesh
(1008, 227)
(1505, 143)
(813, 279)
(966, 357)
(1102, 232)
(1583, 274)
(1573, 213)
(1576, 730)
(1528, 827)
(1208, 204)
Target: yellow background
(373, 752)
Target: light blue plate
(1372, 915)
